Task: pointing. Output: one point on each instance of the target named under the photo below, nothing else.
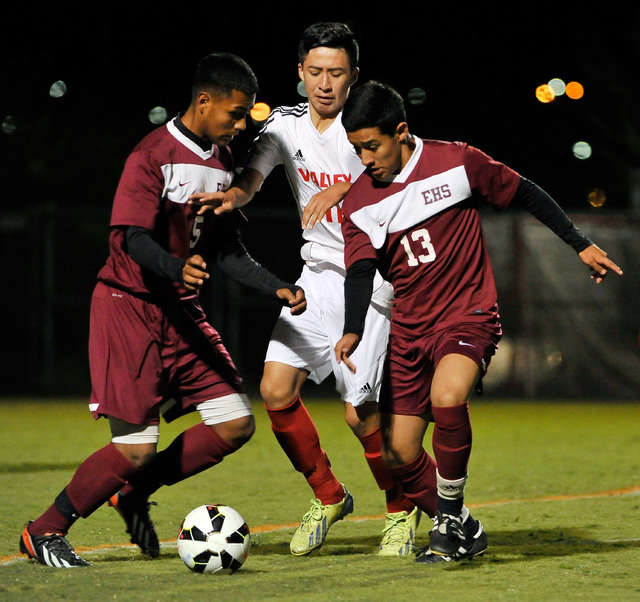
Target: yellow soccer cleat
(315, 524)
(399, 533)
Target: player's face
(224, 117)
(382, 155)
(327, 77)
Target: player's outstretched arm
(321, 202)
(345, 347)
(245, 185)
(600, 264)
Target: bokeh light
(582, 150)
(58, 89)
(260, 112)
(158, 115)
(544, 93)
(557, 86)
(9, 124)
(575, 90)
(301, 91)
(416, 96)
(597, 197)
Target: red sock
(396, 500)
(191, 452)
(298, 437)
(100, 476)
(418, 481)
(451, 442)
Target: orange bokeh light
(544, 93)
(260, 112)
(575, 90)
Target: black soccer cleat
(471, 544)
(139, 525)
(50, 550)
(447, 535)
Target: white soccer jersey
(313, 161)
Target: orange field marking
(270, 528)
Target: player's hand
(219, 202)
(597, 260)
(297, 301)
(345, 347)
(194, 273)
(321, 202)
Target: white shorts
(307, 341)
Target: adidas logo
(365, 389)
(298, 156)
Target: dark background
(479, 66)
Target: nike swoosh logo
(185, 183)
(381, 224)
(465, 344)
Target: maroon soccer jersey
(160, 174)
(424, 229)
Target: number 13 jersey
(423, 227)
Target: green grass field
(557, 486)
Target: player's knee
(276, 394)
(241, 430)
(363, 419)
(397, 455)
(137, 455)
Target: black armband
(148, 254)
(358, 287)
(537, 202)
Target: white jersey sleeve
(312, 161)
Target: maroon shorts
(142, 355)
(411, 362)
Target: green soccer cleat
(312, 531)
(399, 533)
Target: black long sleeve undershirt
(358, 283)
(231, 258)
(540, 204)
(358, 286)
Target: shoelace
(392, 531)
(314, 513)
(61, 548)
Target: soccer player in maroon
(150, 343)
(413, 214)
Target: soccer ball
(214, 539)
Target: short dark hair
(221, 73)
(329, 35)
(374, 104)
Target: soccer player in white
(309, 141)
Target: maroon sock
(451, 442)
(297, 435)
(100, 476)
(418, 481)
(396, 500)
(191, 452)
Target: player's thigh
(369, 358)
(281, 383)
(461, 356)
(302, 342)
(453, 381)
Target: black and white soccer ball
(214, 539)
